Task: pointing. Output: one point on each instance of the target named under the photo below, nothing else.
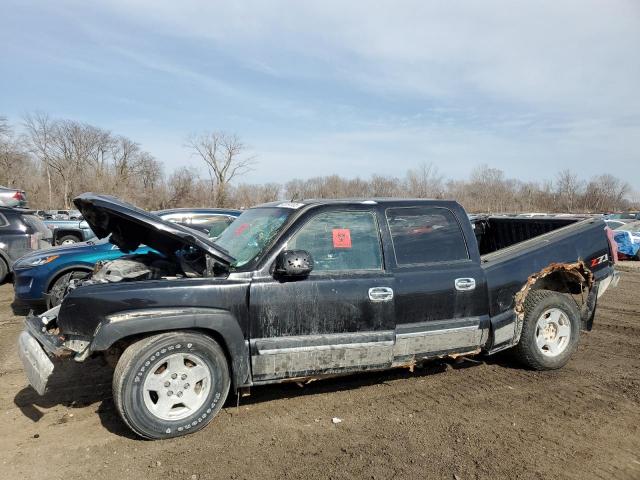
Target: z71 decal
(598, 260)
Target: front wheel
(170, 384)
(58, 289)
(550, 331)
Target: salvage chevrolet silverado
(294, 291)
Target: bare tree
(605, 193)
(225, 157)
(82, 157)
(246, 195)
(568, 189)
(424, 181)
(14, 162)
(72, 148)
(55, 159)
(383, 186)
(182, 187)
(39, 131)
(489, 190)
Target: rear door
(340, 318)
(440, 292)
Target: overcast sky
(354, 88)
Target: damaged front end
(41, 342)
(176, 253)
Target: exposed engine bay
(136, 267)
(176, 251)
(150, 266)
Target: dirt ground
(474, 420)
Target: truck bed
(495, 234)
(556, 236)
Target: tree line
(56, 159)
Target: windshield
(252, 232)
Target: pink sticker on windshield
(241, 229)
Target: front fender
(216, 321)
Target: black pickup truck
(302, 290)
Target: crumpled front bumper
(35, 349)
(37, 365)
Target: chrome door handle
(380, 294)
(465, 284)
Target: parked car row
(623, 216)
(59, 214)
(207, 220)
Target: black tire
(4, 270)
(58, 289)
(145, 358)
(536, 304)
(69, 239)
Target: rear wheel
(170, 384)
(550, 332)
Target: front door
(340, 318)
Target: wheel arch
(575, 279)
(123, 328)
(80, 267)
(62, 232)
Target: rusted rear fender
(574, 278)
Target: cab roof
(384, 201)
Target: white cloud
(578, 55)
(529, 87)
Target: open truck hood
(130, 227)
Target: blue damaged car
(41, 278)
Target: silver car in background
(12, 197)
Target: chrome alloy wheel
(553, 332)
(176, 386)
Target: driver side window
(341, 241)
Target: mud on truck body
(303, 290)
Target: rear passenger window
(3, 221)
(340, 241)
(425, 235)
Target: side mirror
(293, 263)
